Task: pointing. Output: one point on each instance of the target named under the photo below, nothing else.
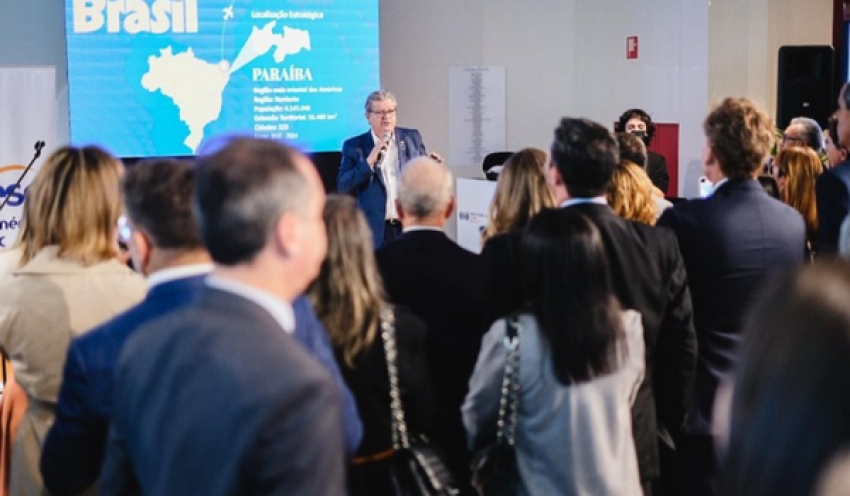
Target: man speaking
(371, 164)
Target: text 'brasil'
(136, 16)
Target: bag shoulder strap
(509, 398)
(400, 435)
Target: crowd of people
(269, 338)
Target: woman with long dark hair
(581, 362)
(350, 301)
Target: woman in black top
(348, 296)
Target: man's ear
(450, 208)
(555, 178)
(140, 247)
(710, 156)
(286, 233)
(398, 208)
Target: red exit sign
(631, 47)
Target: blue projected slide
(158, 77)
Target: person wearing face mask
(639, 123)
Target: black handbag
(494, 467)
(417, 468)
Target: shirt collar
(598, 200)
(280, 310)
(421, 228)
(173, 273)
(377, 139)
(718, 184)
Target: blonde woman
(521, 193)
(796, 170)
(630, 194)
(68, 282)
(348, 296)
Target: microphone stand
(38, 146)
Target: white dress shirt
(389, 172)
(598, 200)
(422, 228)
(173, 273)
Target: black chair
(492, 160)
(327, 163)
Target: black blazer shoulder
(503, 283)
(657, 170)
(833, 199)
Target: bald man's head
(425, 189)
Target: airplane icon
(228, 12)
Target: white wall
(535, 41)
(669, 79)
(563, 58)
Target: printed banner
(473, 206)
(28, 103)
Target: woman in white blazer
(68, 281)
(581, 362)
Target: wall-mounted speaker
(805, 84)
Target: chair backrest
(492, 160)
(327, 163)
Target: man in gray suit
(218, 398)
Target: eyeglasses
(384, 113)
(792, 139)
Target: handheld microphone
(38, 146)
(383, 151)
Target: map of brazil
(197, 87)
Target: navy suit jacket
(216, 399)
(358, 179)
(832, 193)
(74, 448)
(731, 242)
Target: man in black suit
(442, 284)
(832, 190)
(218, 398)
(648, 274)
(731, 242)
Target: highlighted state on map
(262, 40)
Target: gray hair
(811, 132)
(378, 96)
(425, 187)
(241, 191)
